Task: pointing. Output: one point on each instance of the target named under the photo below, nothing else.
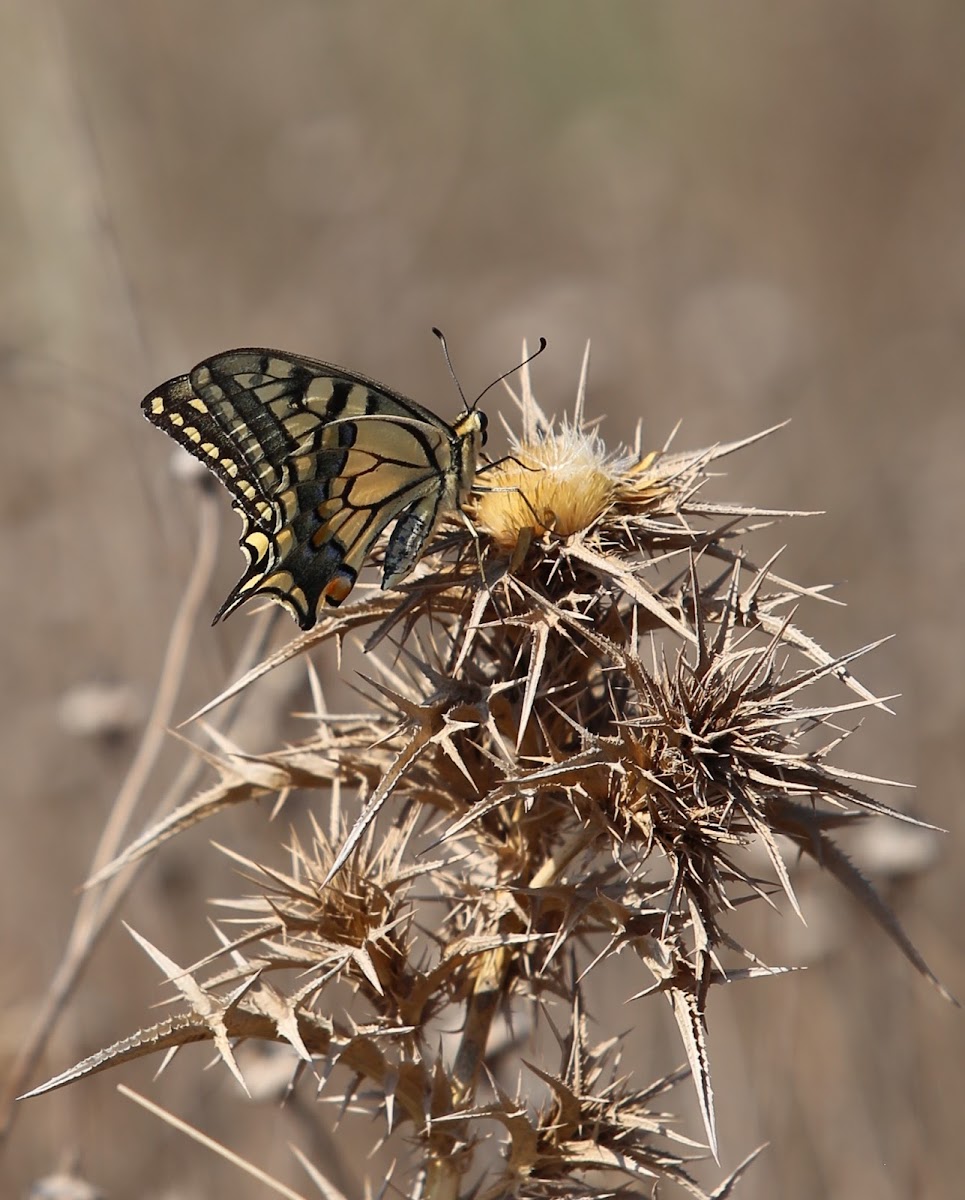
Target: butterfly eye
(483, 427)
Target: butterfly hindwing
(318, 461)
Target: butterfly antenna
(505, 375)
(512, 371)
(455, 378)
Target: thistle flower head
(562, 482)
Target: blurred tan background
(754, 214)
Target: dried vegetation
(578, 721)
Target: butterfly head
(473, 424)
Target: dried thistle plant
(582, 710)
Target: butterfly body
(318, 461)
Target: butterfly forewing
(318, 462)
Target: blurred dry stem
(579, 719)
(96, 909)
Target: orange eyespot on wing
(338, 589)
